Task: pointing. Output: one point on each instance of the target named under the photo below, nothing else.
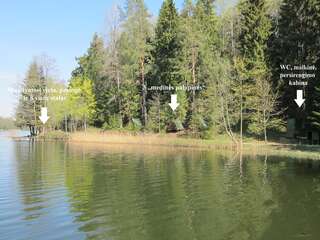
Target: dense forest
(224, 66)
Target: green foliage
(228, 57)
(92, 66)
(315, 114)
(175, 119)
(166, 47)
(257, 96)
(198, 56)
(81, 101)
(221, 103)
(133, 52)
(296, 42)
(135, 125)
(156, 116)
(31, 99)
(166, 55)
(57, 109)
(255, 31)
(207, 20)
(114, 123)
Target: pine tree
(134, 53)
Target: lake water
(82, 191)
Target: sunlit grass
(251, 146)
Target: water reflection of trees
(186, 195)
(39, 169)
(169, 194)
(296, 184)
(41, 180)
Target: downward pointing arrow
(44, 115)
(174, 104)
(300, 100)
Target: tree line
(233, 58)
(6, 123)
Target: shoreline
(220, 142)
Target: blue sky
(61, 29)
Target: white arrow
(174, 104)
(300, 100)
(44, 115)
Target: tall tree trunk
(232, 38)
(241, 113)
(144, 93)
(34, 119)
(119, 97)
(159, 114)
(265, 126)
(193, 78)
(65, 123)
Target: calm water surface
(60, 191)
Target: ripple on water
(52, 191)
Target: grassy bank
(220, 142)
(118, 137)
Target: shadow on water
(303, 148)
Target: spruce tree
(314, 117)
(315, 114)
(167, 46)
(166, 56)
(296, 42)
(207, 5)
(189, 68)
(207, 20)
(204, 118)
(92, 66)
(255, 30)
(198, 30)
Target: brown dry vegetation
(127, 140)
